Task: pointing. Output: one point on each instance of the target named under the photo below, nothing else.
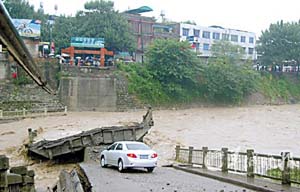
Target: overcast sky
(249, 15)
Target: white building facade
(202, 38)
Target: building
(146, 30)
(202, 38)
(142, 29)
(165, 31)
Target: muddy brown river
(266, 129)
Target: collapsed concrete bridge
(95, 137)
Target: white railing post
(66, 110)
(28, 113)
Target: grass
(277, 173)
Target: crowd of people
(277, 68)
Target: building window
(225, 36)
(205, 47)
(243, 39)
(206, 34)
(185, 32)
(250, 51)
(196, 33)
(251, 40)
(190, 38)
(216, 36)
(234, 38)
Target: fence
(24, 113)
(280, 167)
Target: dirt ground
(266, 129)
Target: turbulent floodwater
(266, 129)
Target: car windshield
(136, 146)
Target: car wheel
(150, 169)
(102, 162)
(120, 166)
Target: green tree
(281, 42)
(175, 65)
(100, 6)
(20, 9)
(227, 52)
(226, 83)
(63, 29)
(142, 84)
(98, 20)
(227, 78)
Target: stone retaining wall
(15, 178)
(31, 96)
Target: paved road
(163, 179)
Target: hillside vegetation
(173, 75)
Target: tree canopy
(174, 64)
(227, 52)
(20, 9)
(172, 60)
(225, 79)
(98, 20)
(100, 6)
(279, 43)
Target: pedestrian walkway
(257, 184)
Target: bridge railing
(282, 167)
(39, 112)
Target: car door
(110, 153)
(117, 153)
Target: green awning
(142, 9)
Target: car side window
(119, 147)
(112, 147)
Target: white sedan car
(129, 154)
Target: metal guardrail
(24, 113)
(280, 167)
